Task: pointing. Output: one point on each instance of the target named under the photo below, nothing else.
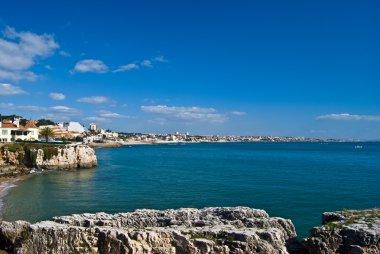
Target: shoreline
(6, 184)
(116, 144)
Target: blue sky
(299, 68)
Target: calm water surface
(292, 180)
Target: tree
(47, 133)
(44, 122)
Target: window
(32, 133)
(4, 132)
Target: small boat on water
(358, 147)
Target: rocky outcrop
(208, 230)
(18, 159)
(349, 231)
(78, 156)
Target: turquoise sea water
(298, 181)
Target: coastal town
(16, 128)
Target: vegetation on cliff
(27, 152)
(17, 158)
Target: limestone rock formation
(78, 156)
(16, 159)
(350, 231)
(208, 230)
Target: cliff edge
(222, 230)
(16, 159)
(208, 230)
(349, 231)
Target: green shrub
(27, 152)
(21, 157)
(13, 147)
(50, 152)
(33, 157)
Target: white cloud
(64, 53)
(109, 114)
(90, 65)
(127, 67)
(6, 105)
(161, 59)
(30, 108)
(146, 63)
(143, 63)
(19, 51)
(95, 119)
(238, 113)
(94, 99)
(57, 96)
(56, 110)
(64, 110)
(349, 117)
(48, 67)
(187, 113)
(17, 75)
(8, 89)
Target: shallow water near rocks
(298, 181)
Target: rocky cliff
(349, 231)
(209, 230)
(20, 158)
(78, 156)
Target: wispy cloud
(94, 99)
(64, 53)
(161, 59)
(146, 63)
(127, 67)
(8, 89)
(109, 114)
(48, 67)
(19, 51)
(59, 110)
(238, 113)
(349, 117)
(64, 110)
(57, 96)
(95, 119)
(90, 65)
(187, 113)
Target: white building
(13, 131)
(74, 127)
(93, 127)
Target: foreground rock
(17, 159)
(209, 230)
(350, 231)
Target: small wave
(5, 187)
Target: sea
(298, 181)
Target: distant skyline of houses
(13, 130)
